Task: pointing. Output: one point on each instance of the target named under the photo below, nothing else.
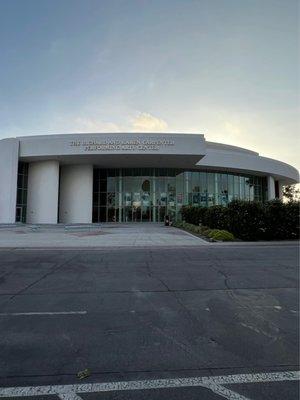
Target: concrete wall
(76, 194)
(115, 150)
(9, 153)
(113, 143)
(241, 162)
(42, 197)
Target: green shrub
(212, 232)
(220, 234)
(206, 231)
(280, 220)
(291, 221)
(177, 224)
(247, 220)
(215, 217)
(198, 229)
(193, 215)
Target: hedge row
(215, 234)
(273, 220)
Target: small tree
(291, 193)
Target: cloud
(232, 129)
(146, 122)
(91, 125)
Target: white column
(280, 186)
(154, 197)
(9, 153)
(271, 188)
(42, 197)
(120, 195)
(186, 188)
(76, 194)
(216, 189)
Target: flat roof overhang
(125, 160)
(116, 150)
(158, 150)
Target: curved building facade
(125, 177)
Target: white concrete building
(84, 178)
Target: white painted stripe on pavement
(218, 389)
(69, 396)
(256, 378)
(150, 384)
(43, 313)
(225, 392)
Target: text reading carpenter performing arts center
(135, 144)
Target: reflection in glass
(148, 194)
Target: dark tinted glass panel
(143, 194)
(22, 183)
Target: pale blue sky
(225, 68)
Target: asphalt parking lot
(207, 322)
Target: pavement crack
(257, 317)
(159, 370)
(217, 268)
(150, 274)
(42, 277)
(193, 319)
(225, 279)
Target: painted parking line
(217, 389)
(17, 314)
(214, 383)
(69, 396)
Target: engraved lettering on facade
(135, 144)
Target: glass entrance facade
(148, 194)
(22, 184)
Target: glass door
(146, 204)
(146, 214)
(18, 214)
(136, 214)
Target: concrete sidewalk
(95, 235)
